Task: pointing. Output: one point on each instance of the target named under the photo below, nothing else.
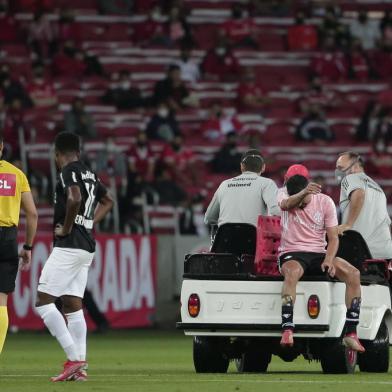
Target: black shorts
(9, 260)
(310, 261)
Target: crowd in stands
(340, 49)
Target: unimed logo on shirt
(7, 184)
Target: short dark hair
(296, 184)
(1, 137)
(67, 142)
(354, 156)
(252, 161)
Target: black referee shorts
(310, 261)
(9, 260)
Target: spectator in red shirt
(250, 94)
(331, 64)
(151, 31)
(141, 160)
(178, 160)
(358, 62)
(317, 96)
(302, 36)
(178, 29)
(41, 36)
(239, 30)
(9, 29)
(41, 90)
(67, 28)
(382, 60)
(219, 124)
(220, 64)
(69, 62)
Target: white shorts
(65, 272)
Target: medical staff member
(363, 205)
(243, 198)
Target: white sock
(78, 329)
(55, 323)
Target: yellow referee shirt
(13, 183)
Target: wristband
(27, 247)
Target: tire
(337, 359)
(253, 361)
(209, 356)
(376, 357)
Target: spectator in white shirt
(189, 68)
(367, 31)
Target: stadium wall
(135, 280)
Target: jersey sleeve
(68, 178)
(330, 215)
(211, 216)
(24, 183)
(282, 195)
(269, 195)
(101, 191)
(352, 182)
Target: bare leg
(351, 277)
(292, 272)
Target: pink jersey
(304, 230)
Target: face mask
(220, 51)
(340, 174)
(125, 85)
(163, 112)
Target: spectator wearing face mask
(227, 159)
(179, 161)
(78, 121)
(178, 29)
(219, 124)
(151, 31)
(318, 96)
(122, 94)
(141, 159)
(189, 69)
(220, 64)
(163, 124)
(41, 90)
(240, 30)
(366, 31)
(251, 96)
(302, 35)
(172, 89)
(330, 64)
(69, 62)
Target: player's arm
(294, 201)
(105, 204)
(332, 248)
(269, 195)
(212, 214)
(74, 201)
(28, 206)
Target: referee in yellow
(14, 194)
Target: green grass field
(150, 361)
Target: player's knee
(292, 275)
